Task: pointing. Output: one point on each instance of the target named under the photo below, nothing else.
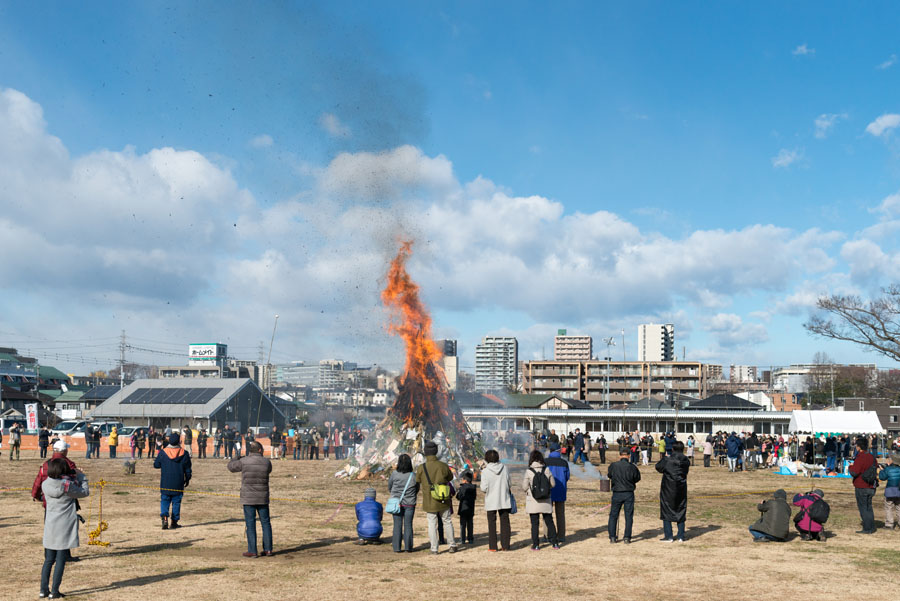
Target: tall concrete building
(572, 348)
(742, 373)
(496, 364)
(656, 342)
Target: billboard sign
(207, 354)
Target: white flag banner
(31, 416)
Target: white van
(69, 428)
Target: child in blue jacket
(368, 515)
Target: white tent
(842, 422)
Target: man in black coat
(623, 475)
(775, 521)
(673, 491)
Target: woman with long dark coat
(673, 491)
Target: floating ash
(424, 409)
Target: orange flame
(412, 323)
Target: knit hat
(60, 445)
(780, 494)
(430, 448)
(174, 439)
(369, 493)
(818, 492)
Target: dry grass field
(315, 557)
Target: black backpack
(819, 511)
(540, 485)
(870, 476)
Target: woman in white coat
(60, 489)
(535, 508)
(495, 485)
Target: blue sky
(184, 172)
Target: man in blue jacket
(559, 467)
(368, 515)
(175, 474)
(733, 448)
(579, 447)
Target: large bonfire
(424, 409)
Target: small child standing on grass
(466, 497)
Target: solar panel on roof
(171, 396)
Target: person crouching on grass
(175, 474)
(368, 515)
(255, 470)
(60, 490)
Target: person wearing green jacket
(430, 475)
(891, 473)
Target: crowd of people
(441, 493)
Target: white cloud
(785, 158)
(890, 62)
(826, 121)
(803, 50)
(124, 231)
(868, 263)
(883, 124)
(729, 330)
(110, 220)
(262, 141)
(335, 128)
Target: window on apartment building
(893, 419)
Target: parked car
(69, 428)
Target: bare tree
(874, 324)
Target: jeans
(403, 529)
(217, 450)
(580, 453)
(250, 512)
(760, 535)
(830, 460)
(51, 556)
(732, 463)
(43, 452)
(619, 500)
(112, 452)
(706, 461)
(864, 504)
(536, 529)
(173, 499)
(90, 449)
(504, 529)
(447, 519)
(603, 456)
(667, 529)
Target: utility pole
(122, 346)
(610, 342)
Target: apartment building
(572, 348)
(656, 342)
(742, 373)
(629, 381)
(496, 364)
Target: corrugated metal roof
(113, 406)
